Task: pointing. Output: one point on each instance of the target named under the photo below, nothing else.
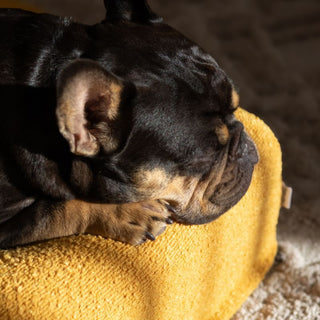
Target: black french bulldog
(113, 129)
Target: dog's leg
(131, 223)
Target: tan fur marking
(180, 191)
(158, 184)
(235, 99)
(77, 214)
(115, 90)
(222, 133)
(151, 182)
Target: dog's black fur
(174, 121)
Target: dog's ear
(88, 100)
(130, 10)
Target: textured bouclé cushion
(189, 272)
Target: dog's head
(154, 112)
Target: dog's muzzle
(227, 182)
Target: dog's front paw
(135, 223)
(143, 220)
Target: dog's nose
(236, 130)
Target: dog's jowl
(115, 129)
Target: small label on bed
(286, 196)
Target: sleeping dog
(114, 129)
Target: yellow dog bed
(190, 272)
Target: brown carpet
(271, 48)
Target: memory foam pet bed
(190, 272)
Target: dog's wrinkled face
(156, 114)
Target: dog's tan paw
(135, 223)
(141, 221)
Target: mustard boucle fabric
(188, 273)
